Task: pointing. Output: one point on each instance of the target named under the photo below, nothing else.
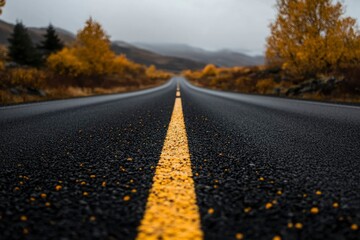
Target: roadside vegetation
(82, 68)
(2, 4)
(313, 52)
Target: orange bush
(90, 61)
(265, 86)
(66, 63)
(155, 74)
(125, 67)
(89, 56)
(246, 84)
(2, 4)
(312, 37)
(209, 71)
(3, 54)
(242, 79)
(26, 77)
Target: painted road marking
(171, 210)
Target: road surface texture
(248, 167)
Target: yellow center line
(171, 210)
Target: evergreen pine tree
(52, 42)
(21, 49)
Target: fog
(210, 24)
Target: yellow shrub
(2, 4)
(92, 47)
(155, 74)
(89, 56)
(120, 64)
(192, 75)
(66, 63)
(209, 70)
(3, 54)
(124, 66)
(151, 71)
(265, 85)
(245, 84)
(27, 77)
(306, 44)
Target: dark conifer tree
(52, 42)
(21, 49)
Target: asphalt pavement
(263, 167)
(101, 151)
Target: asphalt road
(265, 167)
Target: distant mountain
(171, 57)
(224, 58)
(133, 53)
(35, 33)
(148, 58)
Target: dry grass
(19, 85)
(344, 98)
(263, 80)
(6, 97)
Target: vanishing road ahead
(164, 164)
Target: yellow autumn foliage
(123, 66)
(151, 71)
(312, 36)
(3, 54)
(209, 70)
(235, 78)
(26, 77)
(154, 74)
(86, 67)
(66, 63)
(92, 47)
(90, 55)
(265, 86)
(2, 4)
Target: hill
(148, 58)
(171, 57)
(222, 58)
(35, 33)
(133, 53)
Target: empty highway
(180, 162)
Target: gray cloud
(211, 24)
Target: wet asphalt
(82, 168)
(274, 167)
(102, 151)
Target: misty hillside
(36, 33)
(133, 53)
(148, 58)
(171, 57)
(223, 58)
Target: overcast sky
(209, 24)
